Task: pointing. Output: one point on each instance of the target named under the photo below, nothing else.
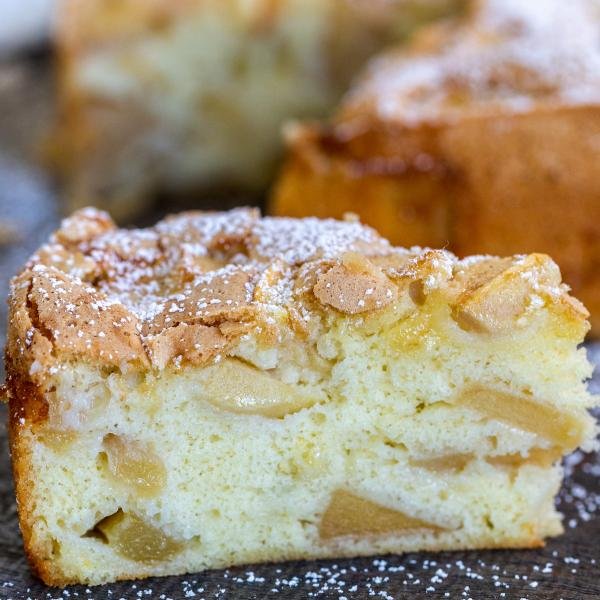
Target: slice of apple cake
(223, 389)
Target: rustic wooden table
(568, 567)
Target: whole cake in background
(223, 389)
(182, 96)
(483, 134)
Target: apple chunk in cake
(223, 389)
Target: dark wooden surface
(568, 567)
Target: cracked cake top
(188, 288)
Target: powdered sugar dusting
(200, 257)
(297, 241)
(510, 54)
(145, 295)
(186, 288)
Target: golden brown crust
(188, 288)
(197, 342)
(27, 406)
(354, 285)
(183, 290)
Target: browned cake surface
(184, 289)
(482, 136)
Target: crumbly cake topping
(189, 287)
(509, 54)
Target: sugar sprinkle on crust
(187, 288)
(509, 54)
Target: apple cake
(223, 388)
(482, 136)
(162, 96)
